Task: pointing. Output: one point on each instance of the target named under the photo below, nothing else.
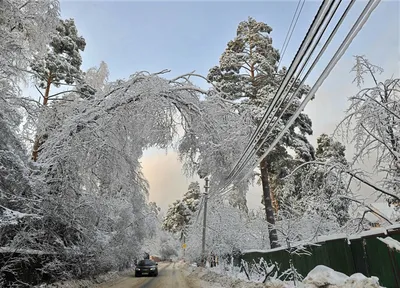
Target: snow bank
(322, 276)
(209, 278)
(358, 280)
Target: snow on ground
(211, 279)
(224, 277)
(85, 283)
(320, 277)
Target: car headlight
(138, 269)
(153, 268)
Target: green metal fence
(363, 253)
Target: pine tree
(61, 65)
(248, 72)
(192, 196)
(180, 212)
(329, 149)
(332, 152)
(25, 26)
(97, 78)
(317, 188)
(154, 208)
(238, 200)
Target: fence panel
(357, 247)
(361, 254)
(379, 260)
(340, 256)
(304, 263)
(394, 256)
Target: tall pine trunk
(37, 144)
(269, 210)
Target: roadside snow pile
(214, 279)
(322, 276)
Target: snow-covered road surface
(170, 275)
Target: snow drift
(320, 277)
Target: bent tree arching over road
(106, 135)
(92, 186)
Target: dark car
(146, 267)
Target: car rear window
(146, 263)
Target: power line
(370, 7)
(310, 69)
(290, 30)
(313, 30)
(301, 83)
(289, 74)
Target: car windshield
(146, 263)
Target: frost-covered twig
(354, 175)
(369, 207)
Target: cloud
(163, 170)
(164, 173)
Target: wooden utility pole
(203, 242)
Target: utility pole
(183, 237)
(203, 243)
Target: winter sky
(186, 35)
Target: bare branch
(370, 209)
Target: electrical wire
(323, 49)
(318, 23)
(290, 31)
(293, 67)
(370, 7)
(327, 42)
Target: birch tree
(372, 124)
(85, 199)
(91, 158)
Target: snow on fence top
(393, 227)
(325, 238)
(264, 251)
(296, 245)
(391, 243)
(371, 232)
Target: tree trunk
(37, 143)
(269, 211)
(252, 71)
(35, 151)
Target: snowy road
(170, 275)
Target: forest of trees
(71, 182)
